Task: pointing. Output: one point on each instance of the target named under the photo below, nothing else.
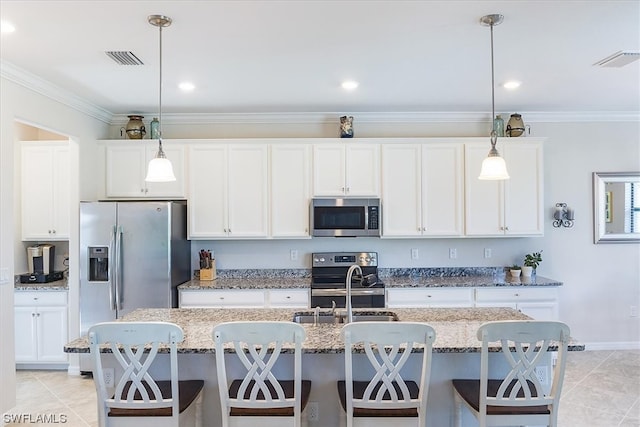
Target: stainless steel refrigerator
(132, 255)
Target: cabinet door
(401, 189)
(25, 334)
(248, 191)
(329, 170)
(207, 191)
(223, 298)
(61, 192)
(484, 200)
(290, 190)
(126, 169)
(176, 189)
(37, 192)
(540, 310)
(423, 297)
(362, 170)
(52, 333)
(442, 194)
(523, 191)
(289, 298)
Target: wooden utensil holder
(208, 273)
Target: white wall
(18, 104)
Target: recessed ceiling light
(187, 86)
(619, 59)
(512, 84)
(349, 85)
(7, 27)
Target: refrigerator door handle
(112, 270)
(118, 283)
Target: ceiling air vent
(619, 59)
(124, 57)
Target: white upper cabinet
(346, 169)
(512, 207)
(45, 190)
(228, 191)
(422, 189)
(126, 168)
(290, 190)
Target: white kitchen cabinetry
(244, 298)
(228, 191)
(346, 169)
(45, 190)
(512, 207)
(222, 298)
(40, 326)
(290, 190)
(126, 169)
(540, 304)
(422, 189)
(288, 298)
(429, 297)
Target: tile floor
(602, 389)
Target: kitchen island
(456, 352)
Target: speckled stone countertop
(395, 281)
(455, 327)
(59, 285)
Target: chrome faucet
(347, 284)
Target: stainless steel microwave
(345, 217)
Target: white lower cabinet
(432, 298)
(540, 304)
(288, 298)
(245, 298)
(40, 326)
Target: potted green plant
(514, 270)
(531, 262)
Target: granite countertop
(390, 282)
(58, 285)
(455, 327)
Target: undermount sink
(340, 317)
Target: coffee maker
(40, 260)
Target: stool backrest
(525, 346)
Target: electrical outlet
(293, 254)
(108, 377)
(4, 276)
(453, 253)
(633, 311)
(487, 252)
(542, 372)
(414, 253)
(313, 412)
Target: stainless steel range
(328, 275)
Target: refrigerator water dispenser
(98, 263)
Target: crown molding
(36, 84)
(47, 89)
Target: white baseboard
(624, 345)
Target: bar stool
(259, 398)
(517, 398)
(385, 397)
(140, 398)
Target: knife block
(209, 273)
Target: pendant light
(160, 169)
(494, 166)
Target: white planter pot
(515, 273)
(527, 271)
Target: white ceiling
(291, 56)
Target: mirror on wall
(616, 207)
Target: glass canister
(498, 125)
(155, 128)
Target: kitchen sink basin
(341, 317)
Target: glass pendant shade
(493, 168)
(160, 169)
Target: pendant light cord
(160, 152)
(494, 136)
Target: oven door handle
(343, 292)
